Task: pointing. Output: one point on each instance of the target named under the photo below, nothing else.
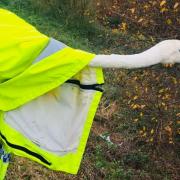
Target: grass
(132, 157)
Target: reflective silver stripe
(51, 48)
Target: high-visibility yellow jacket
(48, 96)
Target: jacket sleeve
(20, 44)
(41, 77)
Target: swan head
(170, 51)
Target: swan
(165, 52)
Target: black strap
(96, 87)
(38, 156)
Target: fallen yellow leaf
(178, 114)
(140, 20)
(135, 97)
(162, 3)
(164, 10)
(176, 5)
(136, 120)
(169, 21)
(124, 26)
(132, 10)
(152, 131)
